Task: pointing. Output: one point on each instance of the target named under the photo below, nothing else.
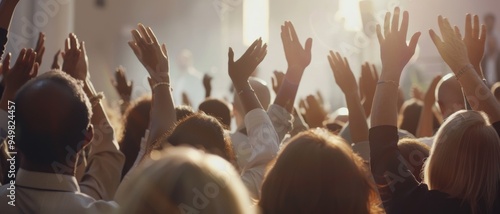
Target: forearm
(357, 118)
(247, 96)
(288, 90)
(7, 8)
(385, 109)
(425, 125)
(479, 95)
(162, 115)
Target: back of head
(183, 111)
(262, 92)
(410, 115)
(52, 118)
(218, 109)
(317, 172)
(202, 131)
(415, 153)
(136, 121)
(465, 160)
(449, 95)
(186, 180)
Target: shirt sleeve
(263, 141)
(281, 119)
(4, 120)
(104, 168)
(390, 170)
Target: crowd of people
(436, 153)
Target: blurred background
(208, 27)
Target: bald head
(449, 95)
(53, 117)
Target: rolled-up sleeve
(263, 141)
(103, 173)
(282, 120)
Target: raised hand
(430, 95)
(25, 69)
(367, 85)
(342, 73)
(75, 58)
(207, 84)
(451, 47)
(147, 49)
(40, 48)
(55, 63)
(394, 51)
(297, 57)
(240, 70)
(475, 40)
(313, 112)
(122, 86)
(277, 80)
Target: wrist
(240, 84)
(294, 74)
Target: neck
(54, 168)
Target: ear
(89, 135)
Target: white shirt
(260, 146)
(49, 193)
(191, 83)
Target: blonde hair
(317, 172)
(186, 180)
(465, 160)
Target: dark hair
(415, 153)
(201, 130)
(410, 115)
(183, 111)
(52, 117)
(218, 109)
(136, 121)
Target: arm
(347, 83)
(262, 138)
(455, 53)
(7, 8)
(367, 85)
(388, 168)
(105, 161)
(207, 84)
(155, 59)
(425, 122)
(123, 87)
(298, 58)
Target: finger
(346, 62)
(135, 48)
(230, 56)
(73, 41)
(41, 52)
(414, 41)
(475, 28)
(387, 23)
(164, 50)
(6, 63)
(256, 51)
(295, 38)
(308, 45)
(482, 37)
(34, 73)
(21, 56)
(447, 27)
(66, 45)
(152, 36)
(131, 84)
(404, 24)
(436, 39)
(457, 32)
(379, 35)
(332, 64)
(468, 26)
(395, 20)
(145, 34)
(83, 49)
(375, 73)
(252, 47)
(262, 56)
(138, 38)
